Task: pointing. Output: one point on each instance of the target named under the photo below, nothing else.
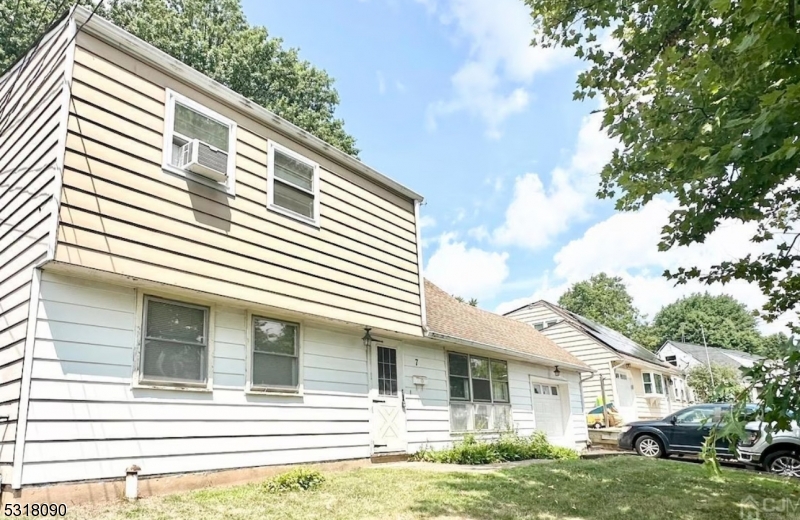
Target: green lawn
(604, 489)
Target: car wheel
(783, 463)
(597, 425)
(650, 447)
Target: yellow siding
(122, 213)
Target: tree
(472, 301)
(776, 346)
(605, 299)
(727, 383)
(214, 37)
(704, 99)
(727, 323)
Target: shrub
(299, 479)
(509, 447)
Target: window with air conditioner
(292, 184)
(199, 143)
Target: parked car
(781, 455)
(596, 419)
(682, 432)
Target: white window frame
(169, 131)
(471, 403)
(138, 379)
(652, 382)
(272, 146)
(249, 356)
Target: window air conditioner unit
(203, 159)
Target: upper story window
(175, 342)
(275, 360)
(653, 383)
(199, 143)
(292, 184)
(541, 325)
(672, 360)
(479, 393)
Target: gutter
(116, 37)
(537, 359)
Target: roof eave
(542, 360)
(117, 37)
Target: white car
(781, 456)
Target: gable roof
(453, 319)
(717, 356)
(612, 339)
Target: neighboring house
(689, 355)
(190, 283)
(639, 384)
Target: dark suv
(682, 432)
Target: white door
(548, 409)
(388, 401)
(625, 395)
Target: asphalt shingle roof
(450, 317)
(717, 356)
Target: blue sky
(448, 97)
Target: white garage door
(548, 410)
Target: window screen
(189, 124)
(175, 343)
(293, 184)
(275, 353)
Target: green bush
(509, 447)
(299, 479)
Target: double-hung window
(275, 359)
(292, 184)
(174, 343)
(653, 383)
(479, 397)
(199, 143)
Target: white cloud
(539, 213)
(426, 221)
(466, 271)
(381, 83)
(492, 83)
(479, 233)
(626, 245)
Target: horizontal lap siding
(86, 422)
(427, 409)
(566, 336)
(121, 212)
(29, 135)
(531, 315)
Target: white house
(689, 355)
(639, 384)
(189, 283)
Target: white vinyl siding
(34, 95)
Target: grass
(617, 488)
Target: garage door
(548, 410)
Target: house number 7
(416, 362)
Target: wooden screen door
(388, 401)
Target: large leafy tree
(704, 98)
(716, 383)
(725, 322)
(605, 299)
(214, 37)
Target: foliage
(726, 323)
(472, 301)
(298, 479)
(214, 37)
(605, 299)
(776, 346)
(509, 447)
(775, 381)
(725, 387)
(704, 99)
